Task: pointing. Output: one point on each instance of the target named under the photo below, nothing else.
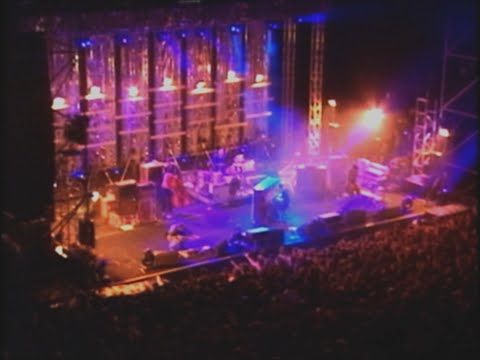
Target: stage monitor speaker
(388, 213)
(266, 238)
(355, 217)
(28, 146)
(166, 258)
(86, 233)
(311, 181)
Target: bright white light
(332, 103)
(95, 196)
(59, 103)
(372, 118)
(59, 251)
(443, 132)
(259, 78)
(167, 84)
(201, 88)
(95, 93)
(133, 91)
(126, 227)
(334, 125)
(231, 76)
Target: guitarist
(352, 187)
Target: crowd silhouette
(406, 291)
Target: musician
(220, 160)
(352, 187)
(234, 186)
(177, 236)
(166, 192)
(281, 202)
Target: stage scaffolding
(170, 82)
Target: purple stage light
(83, 43)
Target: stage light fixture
(59, 103)
(133, 91)
(372, 118)
(332, 103)
(84, 43)
(334, 125)
(259, 78)
(122, 39)
(95, 196)
(443, 132)
(95, 93)
(231, 77)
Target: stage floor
(123, 250)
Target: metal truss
(315, 98)
(288, 70)
(424, 136)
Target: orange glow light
(372, 119)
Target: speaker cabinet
(266, 238)
(355, 217)
(152, 172)
(86, 233)
(388, 213)
(28, 147)
(125, 193)
(147, 204)
(311, 181)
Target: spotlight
(259, 78)
(133, 91)
(84, 43)
(231, 76)
(59, 103)
(95, 93)
(334, 125)
(95, 196)
(200, 85)
(122, 39)
(167, 82)
(443, 132)
(332, 103)
(372, 119)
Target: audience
(396, 293)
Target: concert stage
(213, 224)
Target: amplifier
(311, 180)
(125, 193)
(266, 238)
(152, 172)
(147, 205)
